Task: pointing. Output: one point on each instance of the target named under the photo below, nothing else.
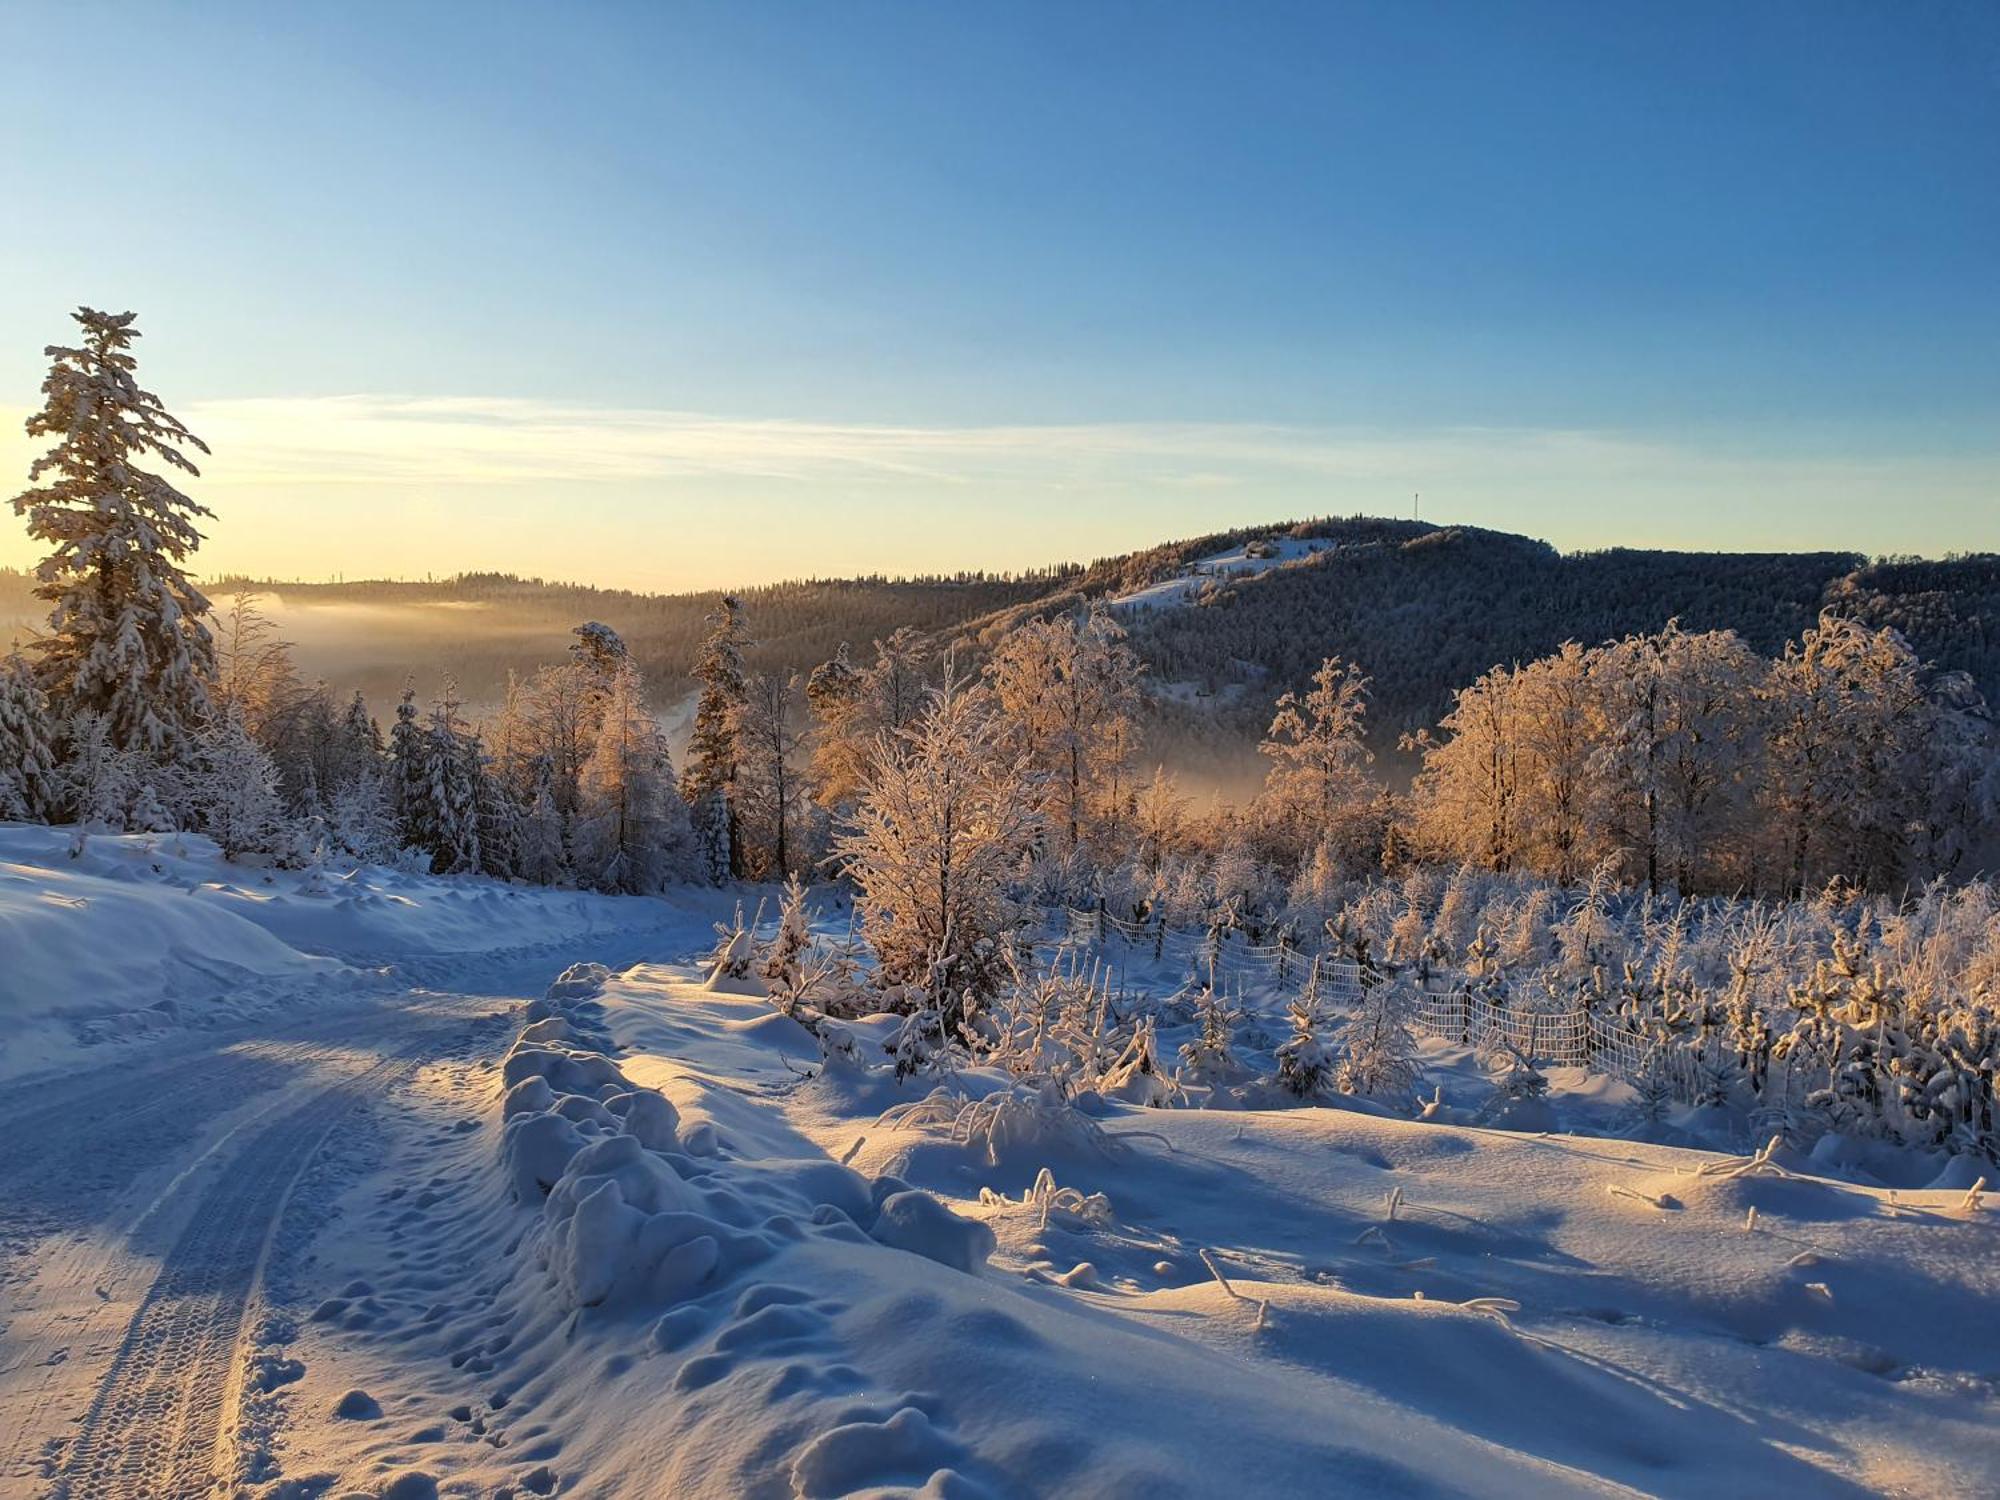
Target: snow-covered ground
(781, 1293)
(1221, 568)
(376, 1237)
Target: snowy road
(136, 1204)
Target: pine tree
(631, 833)
(237, 795)
(714, 755)
(28, 782)
(409, 782)
(1306, 1061)
(126, 635)
(541, 858)
(360, 819)
(97, 780)
(451, 791)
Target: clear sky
(674, 295)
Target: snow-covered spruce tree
(933, 842)
(409, 781)
(441, 805)
(97, 778)
(1306, 1061)
(497, 815)
(708, 784)
(28, 784)
(631, 832)
(541, 855)
(126, 638)
(1209, 1058)
(359, 818)
(237, 790)
(783, 962)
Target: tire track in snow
(153, 1429)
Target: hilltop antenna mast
(1414, 499)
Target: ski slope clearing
(661, 1249)
(1248, 561)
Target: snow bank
(110, 944)
(136, 934)
(631, 1212)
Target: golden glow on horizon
(366, 485)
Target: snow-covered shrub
(1377, 1054)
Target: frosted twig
(1750, 1220)
(1493, 1307)
(1970, 1203)
(1216, 1271)
(1619, 1190)
(1759, 1165)
(853, 1151)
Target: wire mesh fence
(1445, 1007)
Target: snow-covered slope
(138, 934)
(1221, 568)
(769, 1288)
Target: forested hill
(1426, 609)
(1423, 608)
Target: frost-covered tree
(1306, 1060)
(254, 675)
(714, 753)
(852, 706)
(126, 639)
(1319, 788)
(1466, 800)
(1675, 749)
(236, 791)
(841, 736)
(359, 818)
(631, 831)
(1559, 731)
(1069, 688)
(28, 780)
(934, 840)
(1846, 715)
(770, 776)
(1378, 1058)
(409, 779)
(97, 778)
(541, 856)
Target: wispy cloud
(467, 440)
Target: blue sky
(765, 289)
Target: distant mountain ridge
(1424, 608)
